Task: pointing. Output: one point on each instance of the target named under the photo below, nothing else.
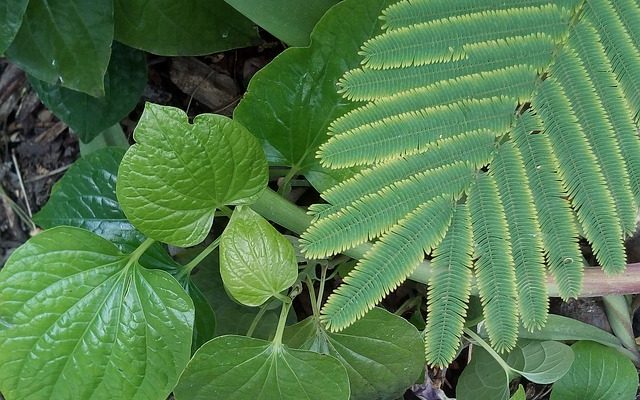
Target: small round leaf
(173, 179)
(256, 261)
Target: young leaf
(237, 367)
(85, 321)
(124, 82)
(598, 372)
(290, 103)
(171, 182)
(382, 352)
(11, 13)
(67, 41)
(191, 27)
(85, 197)
(256, 261)
(520, 394)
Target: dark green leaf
(11, 13)
(190, 27)
(67, 41)
(482, 378)
(171, 182)
(85, 321)
(256, 261)
(204, 326)
(598, 373)
(290, 103)
(85, 197)
(124, 82)
(238, 368)
(383, 353)
(113, 136)
(289, 20)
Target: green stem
(257, 319)
(139, 251)
(312, 296)
(323, 281)
(285, 188)
(277, 340)
(479, 341)
(595, 283)
(187, 268)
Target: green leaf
(383, 353)
(256, 261)
(544, 362)
(171, 182)
(237, 367)
(290, 103)
(85, 197)
(11, 13)
(231, 317)
(482, 378)
(598, 372)
(85, 321)
(289, 20)
(113, 136)
(520, 394)
(67, 41)
(204, 326)
(193, 27)
(124, 82)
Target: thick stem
(277, 340)
(595, 283)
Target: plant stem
(139, 251)
(187, 268)
(312, 296)
(277, 340)
(257, 319)
(595, 283)
(479, 341)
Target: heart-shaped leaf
(256, 261)
(124, 82)
(11, 13)
(238, 368)
(598, 373)
(85, 321)
(67, 41)
(383, 353)
(191, 27)
(545, 362)
(85, 197)
(171, 182)
(290, 103)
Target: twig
(48, 174)
(24, 192)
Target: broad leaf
(204, 326)
(67, 41)
(190, 27)
(598, 372)
(85, 321)
(231, 317)
(85, 197)
(289, 20)
(124, 82)
(236, 367)
(256, 261)
(482, 378)
(383, 353)
(171, 182)
(290, 103)
(544, 362)
(11, 13)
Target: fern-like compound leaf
(449, 289)
(526, 239)
(388, 263)
(557, 223)
(494, 269)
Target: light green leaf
(85, 197)
(238, 368)
(11, 13)
(544, 362)
(383, 353)
(290, 103)
(85, 321)
(231, 317)
(171, 182)
(564, 328)
(482, 378)
(289, 20)
(67, 41)
(124, 82)
(256, 261)
(598, 373)
(520, 394)
(193, 27)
